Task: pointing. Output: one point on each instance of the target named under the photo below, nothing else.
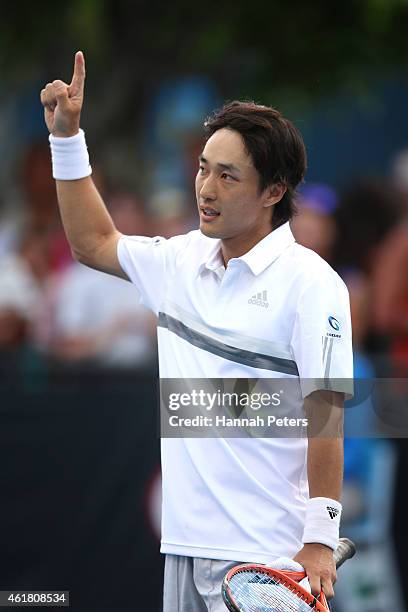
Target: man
(237, 299)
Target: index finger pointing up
(78, 77)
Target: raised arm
(88, 226)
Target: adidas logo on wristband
(333, 512)
(322, 522)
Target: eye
(201, 170)
(224, 175)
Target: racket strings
(259, 592)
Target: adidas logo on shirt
(333, 512)
(259, 299)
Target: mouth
(208, 214)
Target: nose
(207, 190)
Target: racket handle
(345, 550)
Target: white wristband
(322, 522)
(70, 159)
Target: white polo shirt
(277, 311)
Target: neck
(239, 245)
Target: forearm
(325, 467)
(86, 220)
(325, 474)
(325, 458)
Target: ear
(274, 194)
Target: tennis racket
(258, 588)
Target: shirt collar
(211, 258)
(259, 257)
(269, 249)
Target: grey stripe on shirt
(232, 353)
(231, 338)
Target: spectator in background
(367, 211)
(32, 205)
(11, 223)
(390, 278)
(33, 208)
(38, 190)
(40, 200)
(23, 277)
(314, 226)
(170, 212)
(97, 316)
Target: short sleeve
(322, 339)
(146, 261)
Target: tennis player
(237, 298)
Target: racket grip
(345, 550)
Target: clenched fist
(63, 103)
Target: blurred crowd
(56, 310)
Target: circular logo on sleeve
(334, 323)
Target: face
(227, 189)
